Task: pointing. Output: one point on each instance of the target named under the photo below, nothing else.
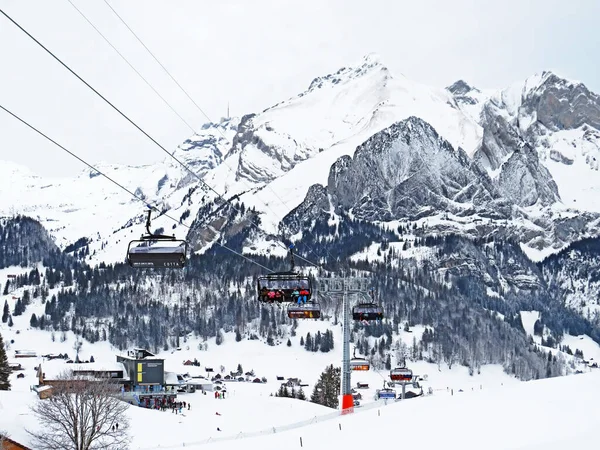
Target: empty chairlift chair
(309, 310)
(367, 311)
(359, 364)
(386, 393)
(156, 250)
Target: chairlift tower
(354, 286)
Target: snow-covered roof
(198, 382)
(171, 378)
(52, 369)
(41, 388)
(193, 371)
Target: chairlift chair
(308, 310)
(401, 374)
(386, 393)
(359, 364)
(367, 311)
(279, 286)
(157, 250)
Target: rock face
(463, 92)
(405, 170)
(408, 172)
(207, 149)
(525, 182)
(559, 104)
(558, 120)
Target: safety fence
(273, 430)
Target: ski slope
(507, 417)
(513, 416)
(250, 410)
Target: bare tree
(3, 437)
(83, 413)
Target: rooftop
(54, 368)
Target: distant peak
(368, 64)
(550, 78)
(372, 59)
(461, 87)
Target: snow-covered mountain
(503, 159)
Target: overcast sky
(253, 53)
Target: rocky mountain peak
(370, 63)
(461, 87)
(560, 104)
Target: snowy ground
(249, 408)
(505, 417)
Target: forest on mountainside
(216, 294)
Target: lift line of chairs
(153, 251)
(161, 251)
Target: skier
(304, 294)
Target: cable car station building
(146, 378)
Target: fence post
(300, 441)
(378, 412)
(340, 426)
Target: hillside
(457, 399)
(528, 147)
(443, 197)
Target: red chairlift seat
(401, 374)
(280, 286)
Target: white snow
(528, 318)
(590, 348)
(239, 410)
(306, 134)
(461, 420)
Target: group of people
(220, 394)
(299, 294)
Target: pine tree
(92, 359)
(6, 287)
(10, 321)
(289, 343)
(238, 336)
(5, 312)
(327, 389)
(308, 343)
(19, 308)
(302, 341)
(33, 322)
(4, 369)
(301, 395)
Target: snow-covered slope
(457, 401)
(531, 138)
(560, 120)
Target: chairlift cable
(132, 67)
(126, 117)
(120, 185)
(283, 238)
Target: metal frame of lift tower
(344, 287)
